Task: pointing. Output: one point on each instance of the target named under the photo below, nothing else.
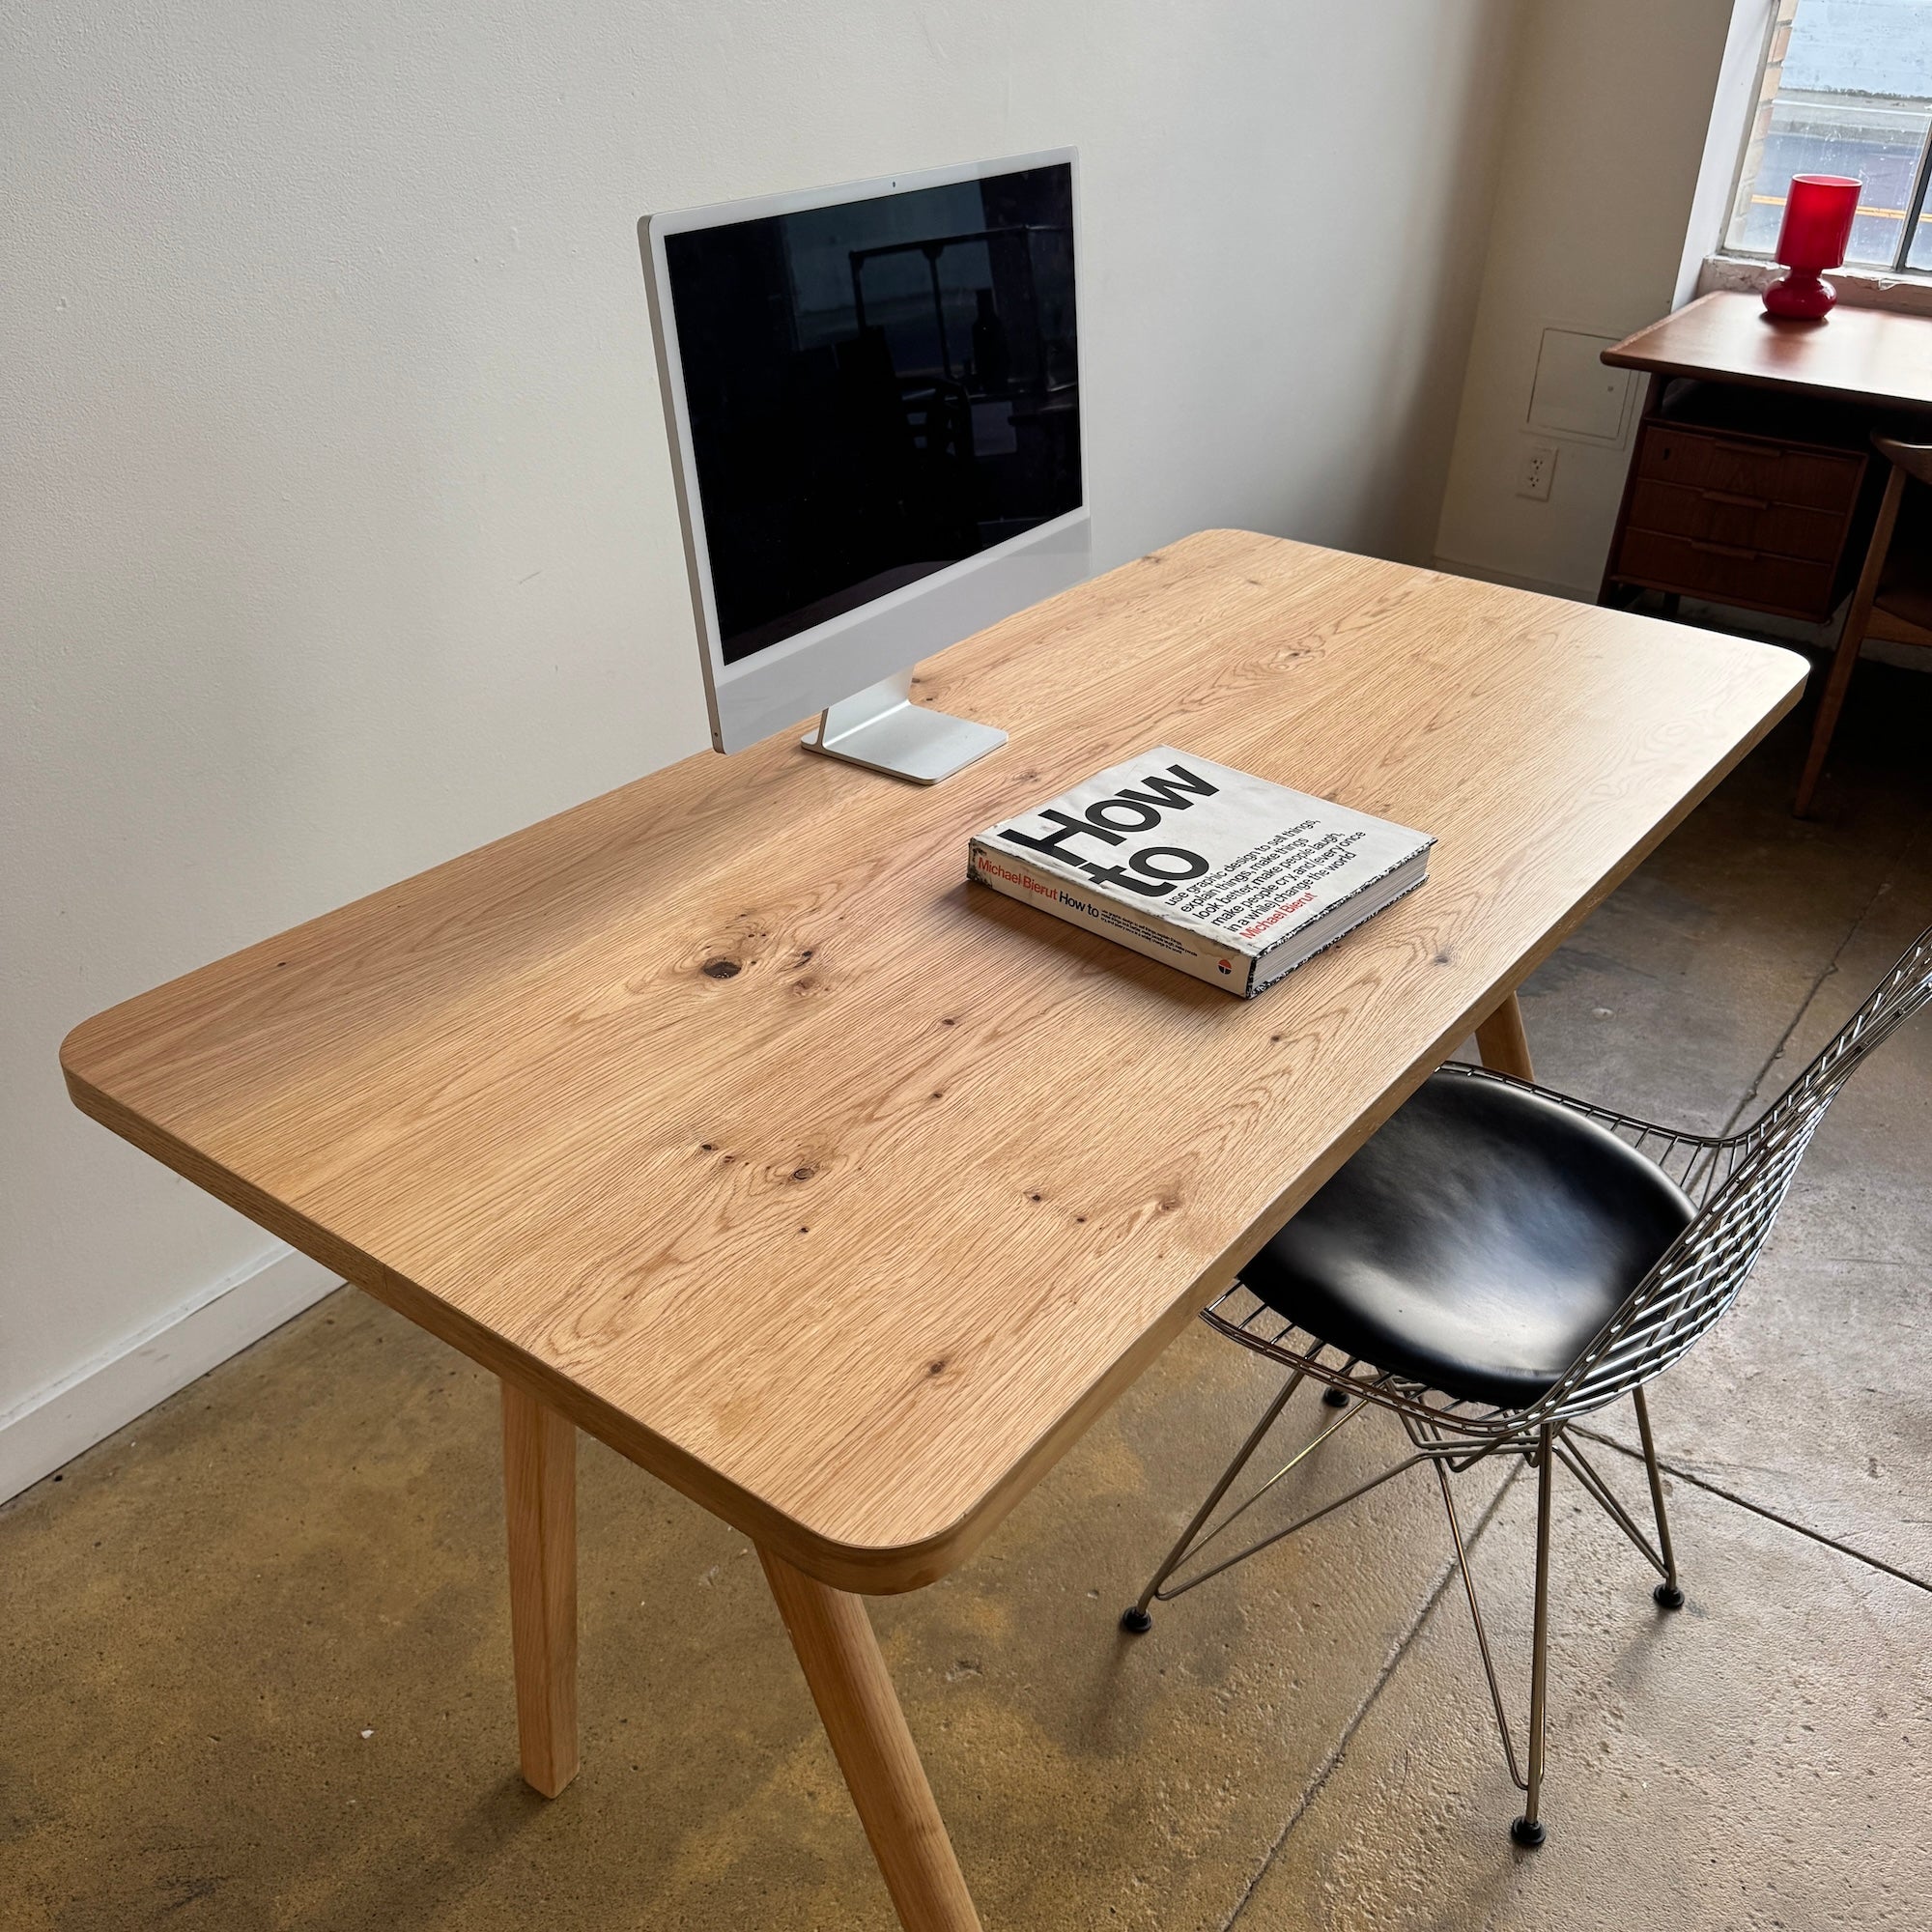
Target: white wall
(1599, 221)
(339, 534)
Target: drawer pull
(1763, 452)
(1723, 550)
(1735, 501)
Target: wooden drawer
(1727, 573)
(1779, 473)
(1743, 522)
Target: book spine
(1265, 974)
(1150, 936)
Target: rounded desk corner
(92, 1041)
(885, 1569)
(871, 1570)
(1794, 665)
(77, 1054)
(1797, 663)
(74, 1046)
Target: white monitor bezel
(803, 673)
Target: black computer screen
(876, 389)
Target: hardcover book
(1227, 876)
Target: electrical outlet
(1539, 468)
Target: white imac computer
(874, 400)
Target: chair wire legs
(1543, 1449)
(1667, 1593)
(1528, 1828)
(1139, 1619)
(1482, 1634)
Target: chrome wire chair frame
(1736, 1184)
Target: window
(1847, 91)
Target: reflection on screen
(876, 390)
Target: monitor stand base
(881, 729)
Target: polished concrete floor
(254, 1660)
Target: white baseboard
(55, 1425)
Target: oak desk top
(721, 1113)
(1857, 354)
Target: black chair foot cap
(1669, 1596)
(1528, 1832)
(1136, 1620)
(1335, 1398)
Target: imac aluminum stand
(881, 729)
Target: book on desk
(1257, 878)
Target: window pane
(1847, 91)
(1920, 257)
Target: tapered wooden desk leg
(1504, 1045)
(1851, 640)
(540, 1493)
(839, 1654)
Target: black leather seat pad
(1476, 1243)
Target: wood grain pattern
(540, 1505)
(721, 1113)
(1866, 356)
(840, 1655)
(1503, 1042)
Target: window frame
(1771, 64)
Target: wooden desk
(1870, 357)
(721, 1118)
(1751, 481)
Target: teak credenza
(1751, 481)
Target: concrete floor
(254, 1658)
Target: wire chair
(1735, 1182)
